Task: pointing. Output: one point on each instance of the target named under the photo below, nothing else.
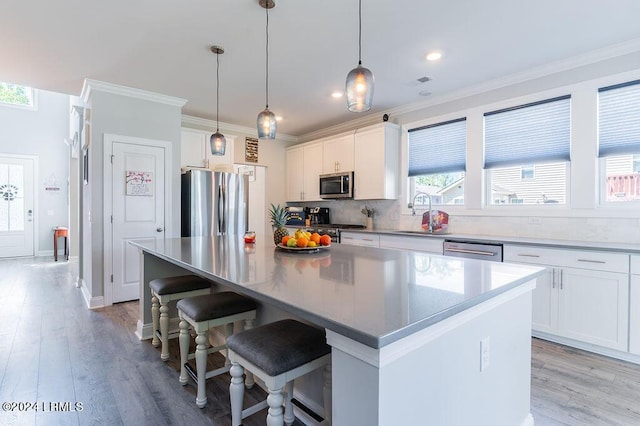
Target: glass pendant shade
(267, 124)
(359, 88)
(218, 143)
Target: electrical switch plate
(484, 353)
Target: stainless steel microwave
(336, 185)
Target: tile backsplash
(388, 215)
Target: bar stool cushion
(216, 305)
(178, 284)
(280, 346)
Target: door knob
(159, 229)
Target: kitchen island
(416, 338)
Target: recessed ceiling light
(278, 118)
(433, 56)
(337, 94)
(424, 93)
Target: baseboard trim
(612, 353)
(90, 301)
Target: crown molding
(91, 85)
(610, 52)
(211, 124)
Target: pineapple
(278, 219)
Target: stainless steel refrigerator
(214, 203)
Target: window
(16, 95)
(437, 162)
(527, 172)
(619, 142)
(527, 153)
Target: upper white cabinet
(584, 295)
(195, 150)
(303, 170)
(376, 162)
(338, 154)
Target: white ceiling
(163, 47)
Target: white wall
(42, 132)
(125, 116)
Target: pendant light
(218, 142)
(266, 122)
(359, 86)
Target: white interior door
(16, 206)
(138, 191)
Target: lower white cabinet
(634, 306)
(584, 304)
(360, 239)
(426, 244)
(593, 307)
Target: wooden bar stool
(58, 232)
(278, 353)
(204, 313)
(163, 291)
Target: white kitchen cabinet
(360, 239)
(196, 152)
(593, 307)
(303, 169)
(376, 162)
(584, 295)
(338, 154)
(634, 306)
(426, 244)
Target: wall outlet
(484, 353)
(535, 221)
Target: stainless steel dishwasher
(473, 250)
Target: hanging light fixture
(359, 86)
(218, 142)
(266, 119)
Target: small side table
(60, 231)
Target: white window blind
(438, 148)
(533, 133)
(619, 119)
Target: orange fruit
(302, 242)
(325, 240)
(285, 239)
(315, 237)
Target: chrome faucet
(413, 208)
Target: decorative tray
(302, 249)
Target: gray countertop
(371, 295)
(569, 244)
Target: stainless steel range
(333, 230)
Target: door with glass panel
(16, 206)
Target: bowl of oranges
(305, 242)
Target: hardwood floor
(54, 350)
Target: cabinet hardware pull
(592, 261)
(553, 278)
(528, 255)
(561, 279)
(479, 252)
(367, 239)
